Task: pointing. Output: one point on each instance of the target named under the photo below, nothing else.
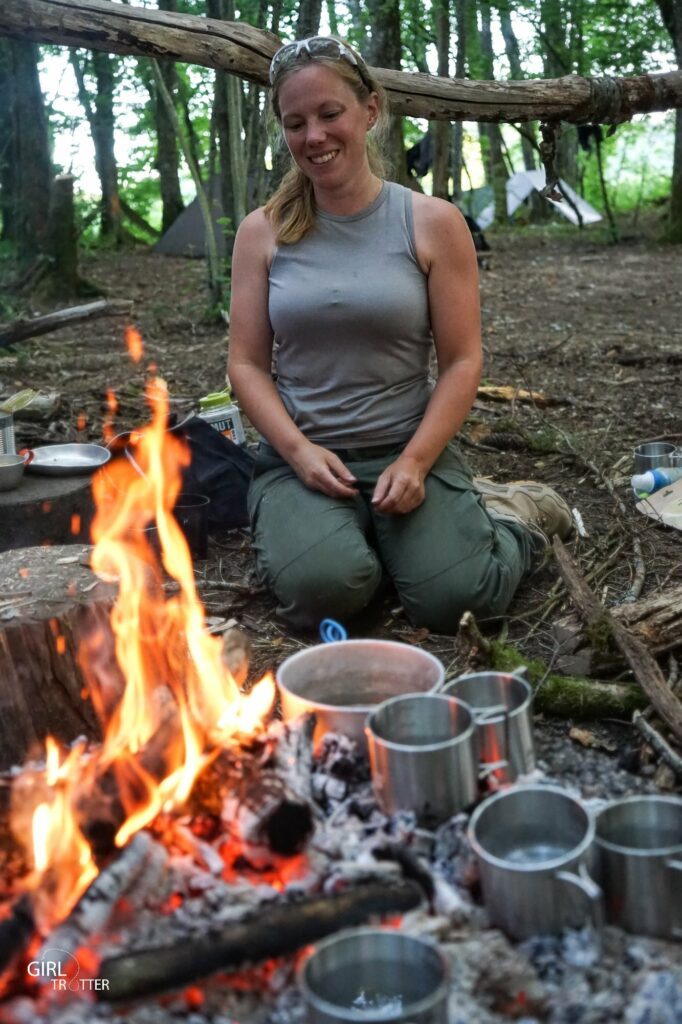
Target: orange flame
(172, 704)
(62, 860)
(134, 344)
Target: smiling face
(325, 125)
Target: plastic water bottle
(654, 479)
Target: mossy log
(570, 696)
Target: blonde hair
(291, 208)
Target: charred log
(276, 931)
(16, 931)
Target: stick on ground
(643, 664)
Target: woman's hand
(400, 488)
(321, 470)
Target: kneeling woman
(353, 281)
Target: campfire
(169, 705)
(196, 851)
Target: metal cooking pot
(342, 682)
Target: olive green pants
(325, 557)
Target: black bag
(220, 469)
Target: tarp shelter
(187, 236)
(520, 186)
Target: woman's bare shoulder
(256, 227)
(256, 235)
(440, 231)
(431, 212)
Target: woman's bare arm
(446, 253)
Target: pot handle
(482, 716)
(588, 888)
(28, 455)
(675, 865)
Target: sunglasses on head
(315, 46)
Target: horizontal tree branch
(243, 50)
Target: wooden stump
(50, 603)
(45, 509)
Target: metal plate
(67, 459)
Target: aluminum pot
(342, 682)
(502, 703)
(531, 843)
(637, 859)
(423, 753)
(371, 975)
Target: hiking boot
(536, 506)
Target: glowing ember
(178, 705)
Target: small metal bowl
(342, 682)
(11, 471)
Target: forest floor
(593, 327)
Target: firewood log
(276, 931)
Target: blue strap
(332, 631)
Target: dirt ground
(595, 328)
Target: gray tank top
(349, 309)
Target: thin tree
(671, 13)
(441, 129)
(491, 133)
(385, 51)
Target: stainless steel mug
(424, 756)
(502, 703)
(652, 454)
(638, 862)
(369, 975)
(530, 843)
(342, 682)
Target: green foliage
(637, 159)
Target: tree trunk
(100, 115)
(62, 247)
(41, 683)
(540, 208)
(256, 132)
(203, 199)
(671, 13)
(441, 129)
(558, 60)
(228, 116)
(246, 51)
(8, 157)
(167, 154)
(33, 165)
(491, 134)
(386, 51)
(309, 13)
(462, 15)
